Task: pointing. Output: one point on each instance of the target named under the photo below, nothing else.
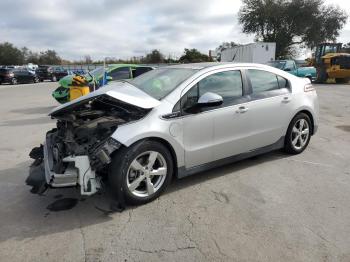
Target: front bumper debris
(78, 172)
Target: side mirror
(210, 99)
(109, 78)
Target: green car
(96, 77)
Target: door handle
(241, 109)
(286, 99)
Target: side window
(227, 84)
(262, 81)
(289, 66)
(140, 70)
(282, 82)
(120, 73)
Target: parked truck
(291, 67)
(259, 52)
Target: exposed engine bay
(79, 149)
(86, 129)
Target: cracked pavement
(274, 207)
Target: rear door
(269, 109)
(20, 76)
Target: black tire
(288, 144)
(341, 80)
(36, 80)
(14, 81)
(121, 162)
(321, 75)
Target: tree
(193, 56)
(155, 57)
(49, 57)
(32, 57)
(10, 55)
(87, 59)
(286, 22)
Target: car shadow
(25, 216)
(228, 169)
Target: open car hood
(122, 91)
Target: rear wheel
(141, 171)
(14, 81)
(36, 80)
(54, 79)
(298, 134)
(341, 80)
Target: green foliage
(290, 22)
(49, 57)
(155, 57)
(193, 56)
(10, 55)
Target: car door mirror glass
(210, 99)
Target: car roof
(216, 65)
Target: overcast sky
(122, 29)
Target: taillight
(309, 87)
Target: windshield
(160, 82)
(97, 72)
(277, 64)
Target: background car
(291, 67)
(44, 73)
(58, 73)
(99, 77)
(14, 76)
(51, 73)
(177, 121)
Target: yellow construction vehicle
(330, 62)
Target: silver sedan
(176, 121)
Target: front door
(212, 133)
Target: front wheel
(54, 79)
(298, 134)
(14, 81)
(142, 171)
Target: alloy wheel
(300, 134)
(146, 174)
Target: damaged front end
(77, 152)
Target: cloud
(118, 28)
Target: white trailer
(259, 52)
